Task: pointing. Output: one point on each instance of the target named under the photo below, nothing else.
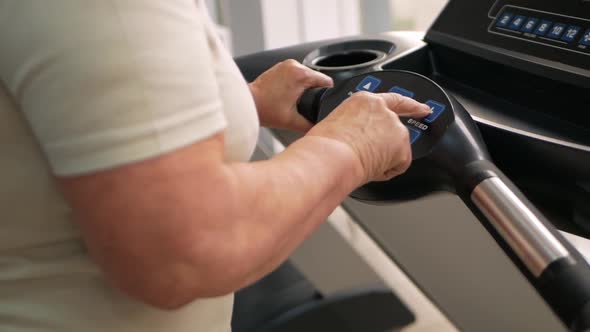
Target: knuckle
(362, 95)
(358, 99)
(408, 162)
(407, 159)
(404, 133)
(291, 66)
(299, 74)
(380, 102)
(290, 63)
(403, 162)
(369, 100)
(396, 120)
(404, 151)
(396, 99)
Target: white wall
(266, 24)
(280, 22)
(376, 16)
(263, 24)
(329, 19)
(415, 15)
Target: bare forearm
(188, 234)
(315, 216)
(286, 199)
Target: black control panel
(424, 133)
(530, 53)
(556, 31)
(550, 29)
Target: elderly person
(127, 202)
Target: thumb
(317, 79)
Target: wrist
(258, 102)
(349, 167)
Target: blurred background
(252, 25)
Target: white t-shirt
(87, 85)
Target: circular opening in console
(349, 55)
(348, 58)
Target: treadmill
(521, 68)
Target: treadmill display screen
(556, 32)
(549, 29)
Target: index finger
(404, 106)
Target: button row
(371, 83)
(543, 28)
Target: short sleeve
(106, 83)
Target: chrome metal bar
(518, 225)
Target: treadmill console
(554, 30)
(424, 133)
(534, 53)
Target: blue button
(557, 30)
(543, 28)
(414, 134)
(402, 91)
(530, 24)
(504, 20)
(437, 110)
(369, 83)
(517, 22)
(571, 33)
(586, 38)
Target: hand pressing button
(437, 109)
(402, 91)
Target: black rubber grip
(474, 174)
(309, 104)
(565, 285)
(582, 321)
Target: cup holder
(349, 55)
(348, 58)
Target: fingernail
(427, 108)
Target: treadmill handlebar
(582, 321)
(559, 272)
(518, 225)
(308, 104)
(565, 285)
